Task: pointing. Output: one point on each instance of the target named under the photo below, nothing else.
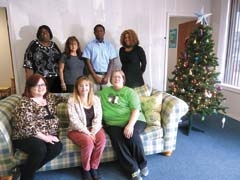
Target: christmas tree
(195, 79)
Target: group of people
(102, 101)
(96, 61)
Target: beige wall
(78, 17)
(6, 72)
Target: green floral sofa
(159, 136)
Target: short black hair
(99, 25)
(44, 27)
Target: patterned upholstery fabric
(156, 139)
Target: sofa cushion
(142, 90)
(150, 134)
(62, 110)
(62, 114)
(151, 106)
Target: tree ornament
(196, 59)
(208, 94)
(183, 90)
(219, 88)
(201, 32)
(223, 121)
(185, 55)
(202, 18)
(194, 81)
(190, 72)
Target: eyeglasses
(40, 85)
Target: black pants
(130, 152)
(39, 153)
(54, 84)
(70, 88)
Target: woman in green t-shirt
(124, 122)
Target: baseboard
(233, 116)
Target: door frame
(4, 4)
(169, 16)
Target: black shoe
(95, 175)
(86, 175)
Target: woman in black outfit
(133, 59)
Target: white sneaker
(144, 171)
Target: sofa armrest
(7, 162)
(172, 110)
(6, 152)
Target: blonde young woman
(85, 129)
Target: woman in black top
(133, 59)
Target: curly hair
(67, 44)
(132, 36)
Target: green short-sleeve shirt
(117, 105)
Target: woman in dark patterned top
(42, 57)
(133, 59)
(35, 126)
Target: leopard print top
(30, 118)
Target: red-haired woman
(35, 126)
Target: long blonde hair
(76, 95)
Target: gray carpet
(211, 155)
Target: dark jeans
(39, 153)
(130, 152)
